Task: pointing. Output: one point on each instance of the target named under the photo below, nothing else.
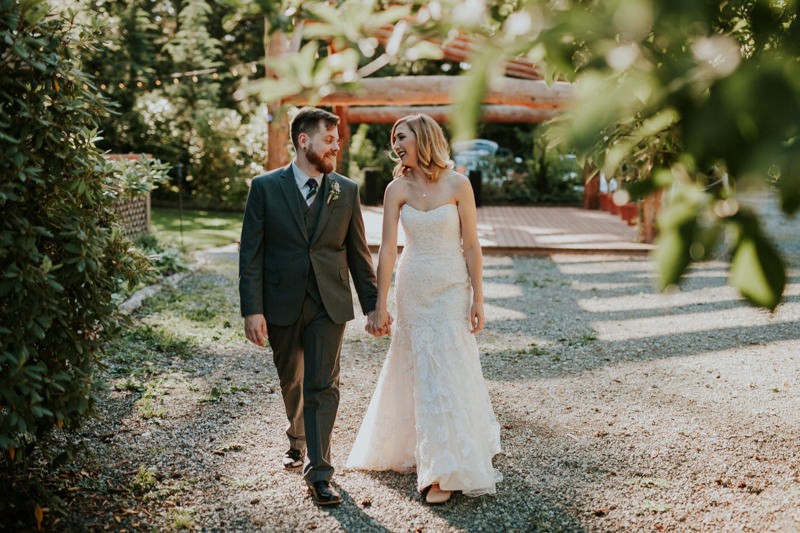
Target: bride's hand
(476, 317)
(386, 329)
(379, 322)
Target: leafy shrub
(551, 178)
(368, 149)
(221, 151)
(61, 255)
(164, 261)
(136, 177)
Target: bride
(430, 411)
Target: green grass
(201, 229)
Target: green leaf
(56, 286)
(39, 411)
(469, 93)
(8, 138)
(388, 15)
(7, 442)
(671, 257)
(758, 271)
(424, 50)
(37, 331)
(35, 11)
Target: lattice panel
(133, 214)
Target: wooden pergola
(519, 97)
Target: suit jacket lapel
(325, 209)
(289, 188)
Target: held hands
(255, 329)
(476, 317)
(379, 322)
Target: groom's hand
(255, 329)
(379, 322)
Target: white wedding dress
(431, 410)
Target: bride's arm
(468, 214)
(387, 255)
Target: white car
(467, 155)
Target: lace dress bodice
(432, 280)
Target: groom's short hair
(307, 121)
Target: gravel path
(622, 410)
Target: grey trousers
(306, 355)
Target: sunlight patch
(668, 325)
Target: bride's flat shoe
(436, 495)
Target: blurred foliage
(170, 70)
(527, 169)
(61, 254)
(699, 98)
(369, 148)
(542, 175)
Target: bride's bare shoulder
(396, 190)
(398, 182)
(398, 185)
(454, 179)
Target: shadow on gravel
(581, 313)
(351, 517)
(521, 504)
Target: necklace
(425, 184)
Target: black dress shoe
(323, 494)
(293, 459)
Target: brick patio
(528, 230)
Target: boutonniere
(334, 193)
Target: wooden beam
(490, 113)
(437, 90)
(462, 46)
(278, 129)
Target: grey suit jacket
(276, 254)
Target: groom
(302, 238)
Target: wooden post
(278, 131)
(371, 177)
(344, 137)
(651, 205)
(591, 187)
(476, 180)
(278, 137)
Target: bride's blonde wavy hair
(433, 150)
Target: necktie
(312, 190)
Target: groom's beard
(323, 164)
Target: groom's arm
(251, 253)
(359, 259)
